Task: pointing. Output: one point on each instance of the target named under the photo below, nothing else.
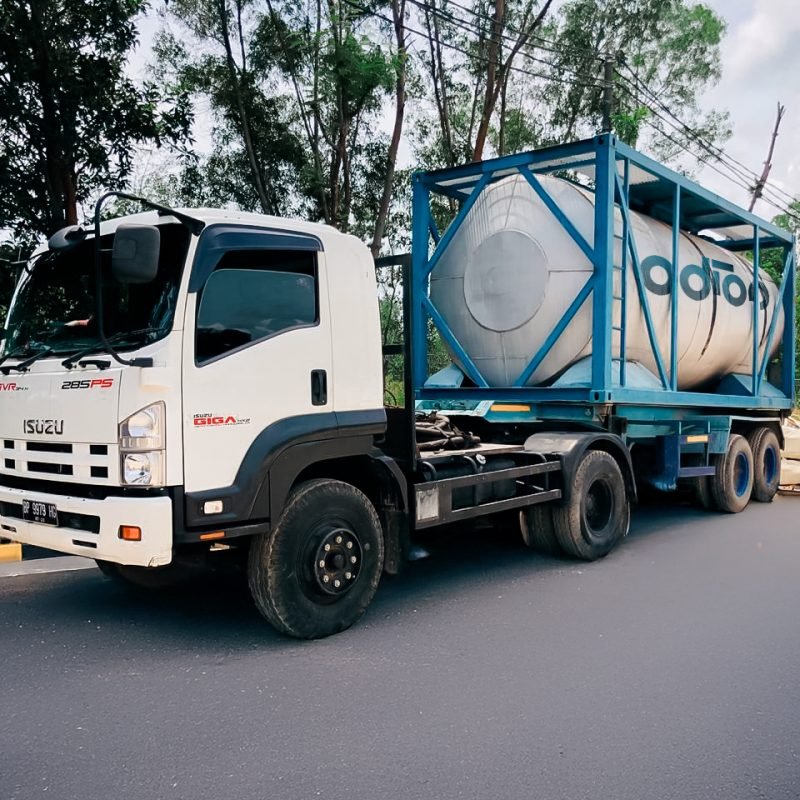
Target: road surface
(671, 669)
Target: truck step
(695, 472)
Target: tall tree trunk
(313, 133)
(503, 93)
(494, 75)
(440, 84)
(59, 167)
(398, 14)
(244, 120)
(490, 96)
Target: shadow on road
(217, 614)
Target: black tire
(287, 567)
(597, 515)
(766, 463)
(538, 529)
(732, 484)
(702, 492)
(148, 578)
(107, 568)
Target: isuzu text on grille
(40, 426)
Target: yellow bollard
(10, 551)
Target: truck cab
(239, 352)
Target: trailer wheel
(732, 484)
(316, 572)
(597, 515)
(766, 463)
(538, 529)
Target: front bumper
(90, 527)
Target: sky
(760, 67)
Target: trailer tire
(597, 515)
(732, 483)
(538, 529)
(301, 574)
(766, 449)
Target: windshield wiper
(23, 365)
(70, 362)
(19, 352)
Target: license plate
(43, 513)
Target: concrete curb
(10, 551)
(45, 566)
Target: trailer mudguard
(570, 446)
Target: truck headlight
(143, 469)
(141, 445)
(143, 430)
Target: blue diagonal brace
(556, 211)
(453, 227)
(554, 335)
(637, 274)
(465, 361)
(773, 324)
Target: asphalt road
(671, 669)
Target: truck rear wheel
(766, 463)
(538, 529)
(597, 515)
(702, 492)
(318, 569)
(732, 483)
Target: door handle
(319, 387)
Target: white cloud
(760, 67)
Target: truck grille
(62, 461)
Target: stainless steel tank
(511, 271)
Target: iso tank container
(511, 271)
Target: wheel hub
(599, 505)
(337, 561)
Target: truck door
(257, 346)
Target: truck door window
(253, 295)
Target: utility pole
(608, 91)
(760, 183)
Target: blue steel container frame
(612, 161)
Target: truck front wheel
(316, 571)
(597, 515)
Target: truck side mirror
(134, 256)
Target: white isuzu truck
(196, 378)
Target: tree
(212, 55)
(72, 119)
(666, 53)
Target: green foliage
(294, 91)
(72, 118)
(672, 46)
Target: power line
(463, 51)
(551, 45)
(465, 25)
(734, 164)
(734, 175)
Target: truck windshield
(54, 305)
